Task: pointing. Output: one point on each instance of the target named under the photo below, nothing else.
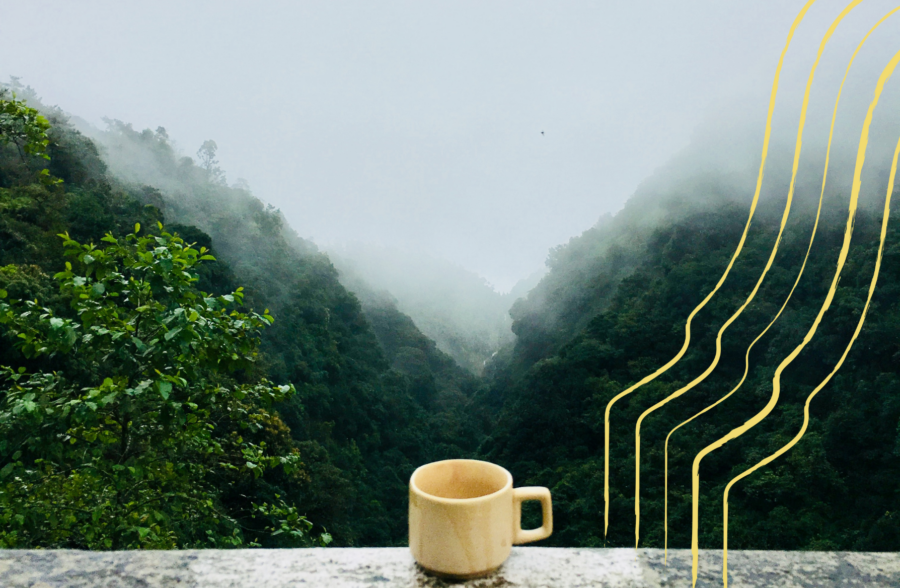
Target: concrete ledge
(528, 567)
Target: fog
(456, 308)
(480, 133)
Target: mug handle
(520, 495)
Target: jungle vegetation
(180, 369)
(357, 403)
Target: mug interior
(461, 479)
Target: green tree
(150, 410)
(26, 128)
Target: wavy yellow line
(784, 219)
(687, 327)
(784, 305)
(822, 384)
(776, 380)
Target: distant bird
(542, 132)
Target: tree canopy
(145, 403)
(152, 404)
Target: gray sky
(418, 124)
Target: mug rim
(419, 491)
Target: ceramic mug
(465, 516)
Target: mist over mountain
(399, 358)
(612, 309)
(370, 394)
(456, 308)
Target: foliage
(360, 420)
(834, 490)
(122, 446)
(25, 128)
(370, 397)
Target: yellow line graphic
(784, 219)
(776, 380)
(823, 383)
(796, 281)
(687, 327)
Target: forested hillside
(623, 317)
(358, 425)
(179, 369)
(584, 273)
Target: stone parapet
(527, 567)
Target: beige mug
(465, 516)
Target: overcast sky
(483, 132)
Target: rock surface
(527, 567)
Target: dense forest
(308, 435)
(371, 397)
(834, 490)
